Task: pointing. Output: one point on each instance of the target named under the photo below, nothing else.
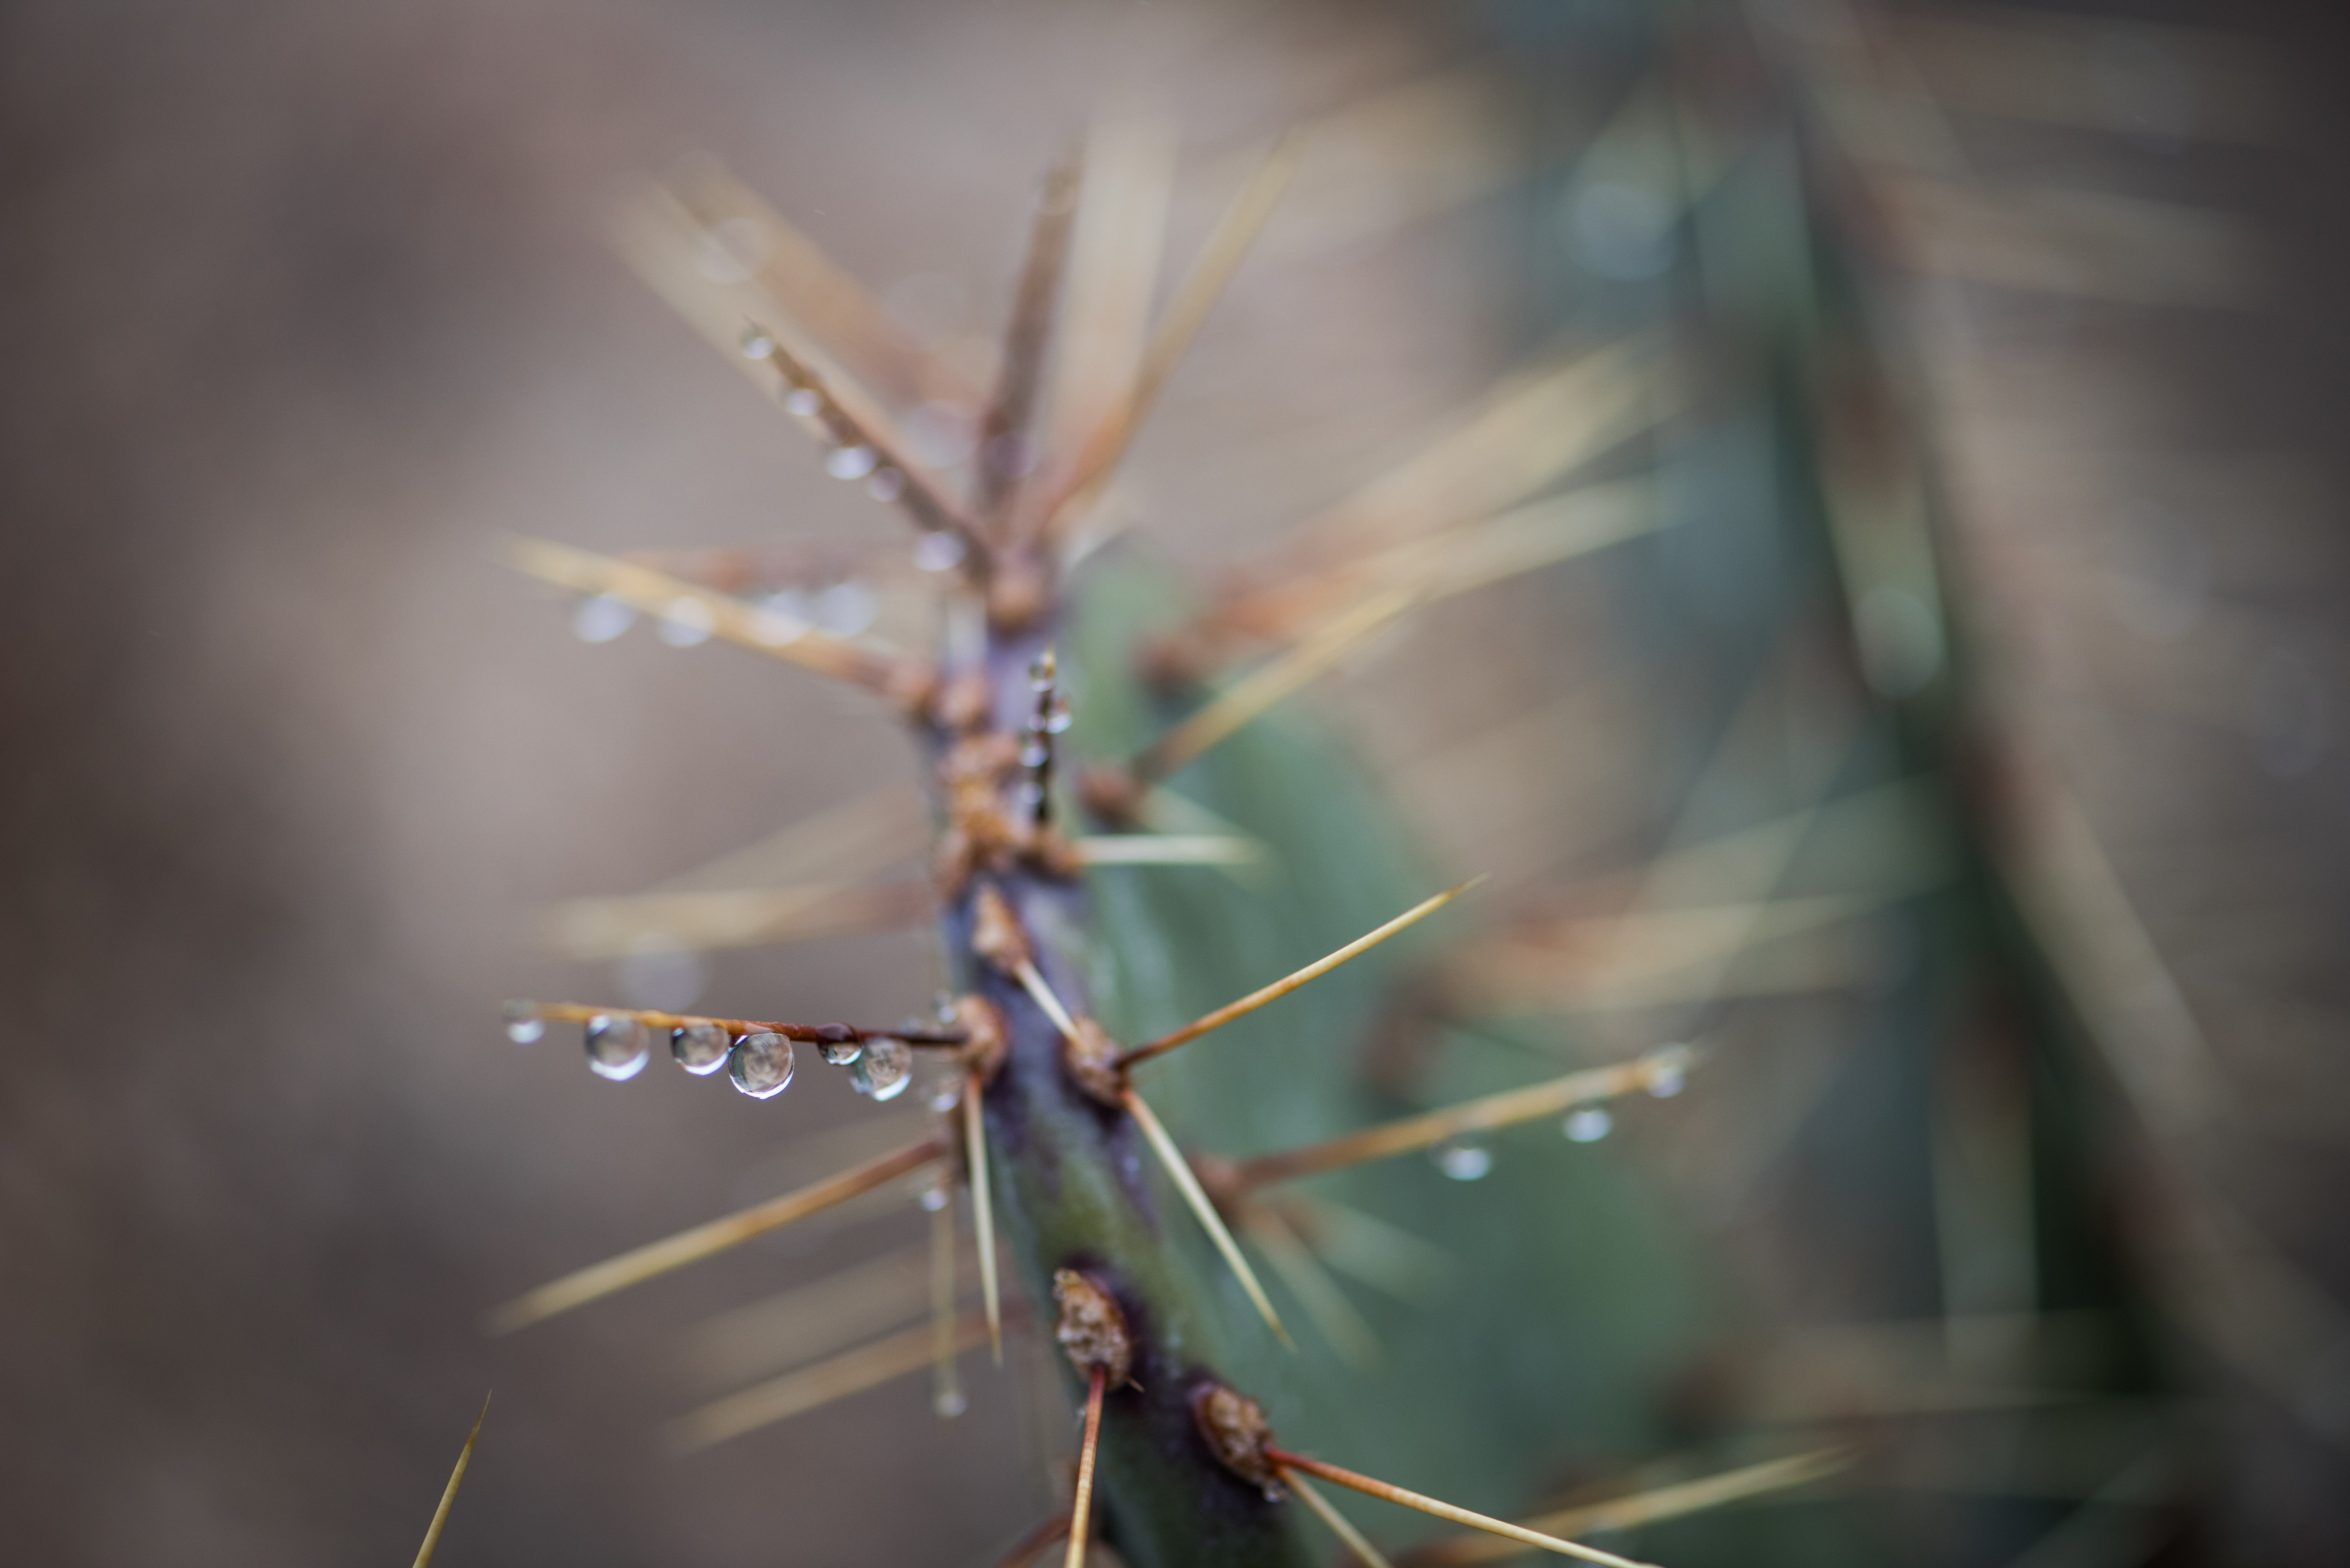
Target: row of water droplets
(1471, 1157)
(760, 1065)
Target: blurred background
(305, 309)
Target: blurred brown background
(304, 306)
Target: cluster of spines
(996, 799)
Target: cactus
(1796, 505)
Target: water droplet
(524, 1025)
(685, 623)
(950, 1403)
(1587, 1123)
(802, 402)
(885, 1069)
(837, 1043)
(757, 345)
(946, 1095)
(781, 619)
(940, 552)
(887, 484)
(1034, 753)
(846, 609)
(700, 1048)
(934, 1196)
(601, 618)
(942, 433)
(850, 461)
(761, 1065)
(618, 1048)
(1463, 1160)
(1060, 716)
(1667, 1082)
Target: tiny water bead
(837, 1043)
(1463, 1160)
(757, 345)
(1587, 1123)
(1668, 1080)
(939, 552)
(802, 402)
(935, 1197)
(524, 1026)
(850, 461)
(887, 484)
(700, 1048)
(949, 1403)
(686, 623)
(847, 608)
(600, 618)
(618, 1048)
(885, 1069)
(761, 1065)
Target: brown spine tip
(1092, 1328)
(989, 1041)
(913, 685)
(1112, 793)
(1091, 1057)
(995, 933)
(1238, 1434)
(1019, 591)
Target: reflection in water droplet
(887, 484)
(802, 402)
(840, 1053)
(1587, 1123)
(761, 1065)
(686, 623)
(1463, 1161)
(524, 1025)
(618, 1048)
(601, 618)
(757, 345)
(885, 1069)
(700, 1048)
(940, 552)
(850, 461)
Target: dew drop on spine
(885, 1069)
(761, 1065)
(524, 1026)
(700, 1048)
(1463, 1160)
(618, 1048)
